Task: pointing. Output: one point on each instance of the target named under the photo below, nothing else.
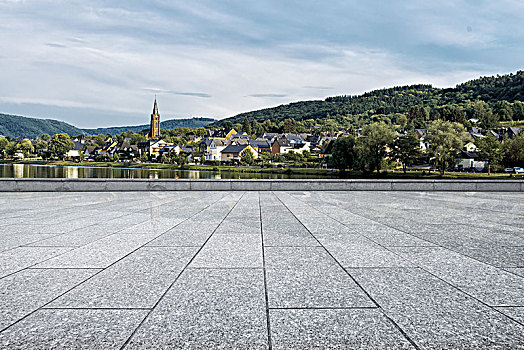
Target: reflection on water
(75, 172)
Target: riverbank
(327, 173)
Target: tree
(46, 137)
(3, 146)
(418, 116)
(503, 110)
(446, 139)
(26, 147)
(59, 145)
(246, 126)
(518, 110)
(513, 151)
(482, 111)
(489, 150)
(247, 156)
(289, 126)
(371, 148)
(406, 149)
(402, 121)
(343, 153)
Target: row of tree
(56, 146)
(378, 147)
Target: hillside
(18, 126)
(400, 99)
(191, 123)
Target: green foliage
(246, 126)
(17, 126)
(422, 104)
(406, 149)
(247, 156)
(343, 153)
(372, 148)
(513, 151)
(489, 150)
(59, 145)
(26, 147)
(3, 146)
(446, 139)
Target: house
(261, 146)
(223, 134)
(233, 152)
(470, 147)
(281, 145)
(212, 148)
(126, 150)
(76, 150)
(421, 135)
(513, 132)
(239, 135)
(89, 151)
(152, 147)
(468, 160)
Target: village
(232, 147)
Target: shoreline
(328, 173)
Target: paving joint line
(95, 274)
(266, 294)
(429, 272)
(406, 336)
(128, 340)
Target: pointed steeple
(155, 108)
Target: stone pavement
(259, 270)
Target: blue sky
(100, 63)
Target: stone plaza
(262, 270)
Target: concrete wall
(94, 185)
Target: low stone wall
(103, 185)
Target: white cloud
(207, 59)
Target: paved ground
(372, 270)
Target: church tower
(154, 129)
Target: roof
(234, 148)
(283, 142)
(259, 143)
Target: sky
(100, 63)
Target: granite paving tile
(230, 251)
(188, 233)
(491, 285)
(28, 290)
(436, 315)
(99, 254)
(516, 313)
(10, 241)
(308, 277)
(334, 329)
(137, 281)
(208, 309)
(23, 257)
(357, 251)
(72, 329)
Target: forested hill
(192, 123)
(400, 99)
(18, 126)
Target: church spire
(155, 108)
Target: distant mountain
(399, 99)
(18, 126)
(192, 123)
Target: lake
(81, 172)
